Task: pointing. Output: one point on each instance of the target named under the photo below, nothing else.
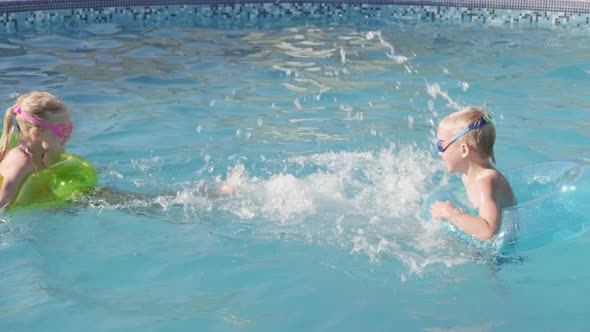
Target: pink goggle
(60, 131)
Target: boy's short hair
(482, 138)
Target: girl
(44, 127)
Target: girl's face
(55, 139)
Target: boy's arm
(485, 226)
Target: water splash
(391, 54)
(434, 91)
(368, 203)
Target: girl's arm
(14, 171)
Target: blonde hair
(482, 138)
(39, 104)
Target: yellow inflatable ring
(69, 175)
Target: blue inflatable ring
(552, 205)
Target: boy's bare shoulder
(499, 187)
(492, 174)
(490, 181)
(496, 181)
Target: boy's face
(452, 153)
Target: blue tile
(43, 16)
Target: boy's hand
(441, 210)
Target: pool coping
(566, 6)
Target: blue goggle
(440, 143)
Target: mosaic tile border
(69, 15)
(566, 6)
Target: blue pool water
(326, 131)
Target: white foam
(366, 202)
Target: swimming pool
(322, 117)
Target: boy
(466, 144)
